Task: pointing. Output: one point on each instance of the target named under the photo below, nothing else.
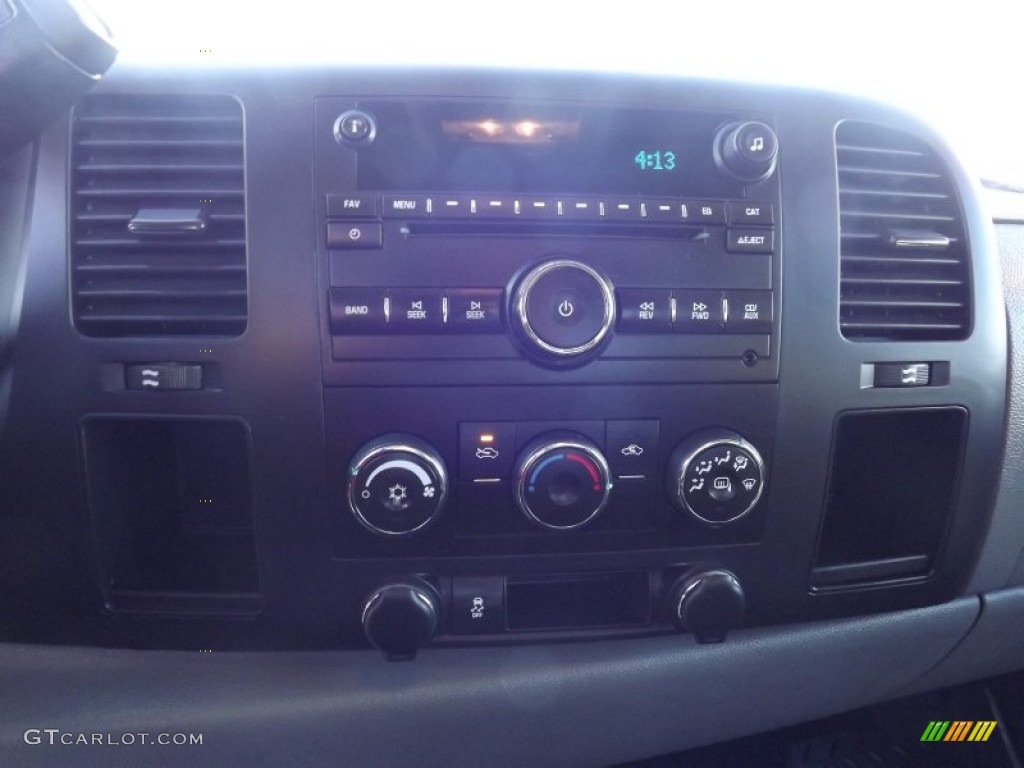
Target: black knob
(707, 604)
(355, 127)
(397, 485)
(716, 476)
(401, 618)
(562, 481)
(563, 309)
(746, 150)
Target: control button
(743, 212)
(163, 376)
(756, 143)
(478, 605)
(703, 211)
(564, 308)
(633, 448)
(579, 208)
(645, 310)
(626, 210)
(538, 208)
(474, 310)
(750, 240)
(903, 374)
(486, 450)
(746, 150)
(716, 475)
(358, 310)
(562, 481)
(350, 235)
(352, 207)
(355, 127)
(407, 206)
(416, 310)
(698, 311)
(401, 618)
(397, 484)
(495, 207)
(451, 206)
(748, 311)
(664, 210)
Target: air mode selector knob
(397, 485)
(562, 481)
(746, 150)
(716, 476)
(563, 309)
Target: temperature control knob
(397, 485)
(746, 150)
(562, 481)
(716, 475)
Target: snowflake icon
(397, 493)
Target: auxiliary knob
(562, 481)
(401, 618)
(397, 485)
(707, 604)
(715, 475)
(746, 150)
(563, 309)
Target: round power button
(563, 308)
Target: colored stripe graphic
(958, 731)
(982, 730)
(935, 730)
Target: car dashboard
(565, 418)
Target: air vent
(158, 216)
(904, 253)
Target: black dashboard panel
(238, 526)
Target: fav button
(352, 207)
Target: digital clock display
(656, 160)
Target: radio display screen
(518, 147)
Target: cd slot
(555, 228)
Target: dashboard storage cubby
(171, 511)
(891, 494)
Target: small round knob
(716, 476)
(563, 309)
(397, 485)
(708, 604)
(746, 150)
(401, 618)
(562, 481)
(355, 127)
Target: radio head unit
(544, 237)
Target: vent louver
(158, 216)
(905, 272)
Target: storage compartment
(578, 601)
(171, 508)
(891, 494)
